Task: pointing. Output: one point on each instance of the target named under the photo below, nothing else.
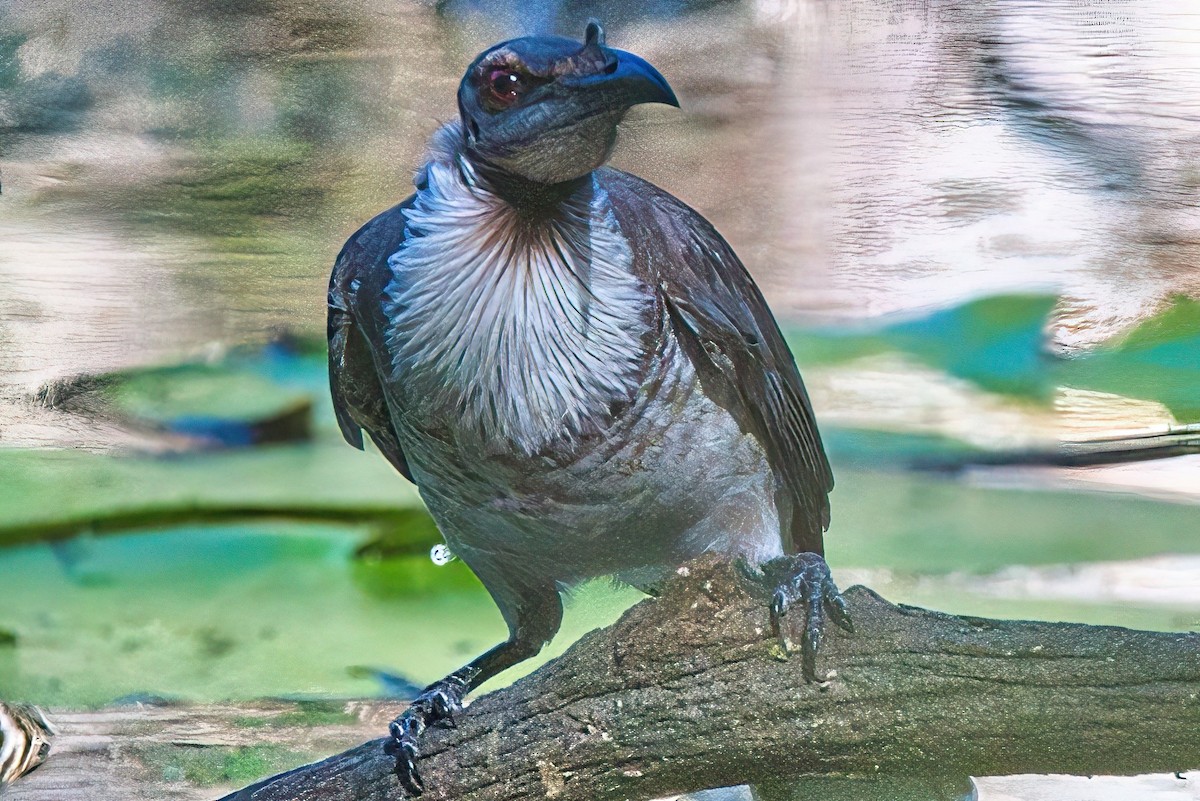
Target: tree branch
(687, 691)
(1180, 440)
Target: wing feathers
(358, 396)
(720, 318)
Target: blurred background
(977, 223)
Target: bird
(24, 740)
(573, 366)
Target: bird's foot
(804, 579)
(440, 701)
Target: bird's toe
(805, 581)
(439, 702)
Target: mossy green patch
(231, 186)
(307, 714)
(326, 473)
(234, 612)
(251, 722)
(411, 576)
(213, 765)
(414, 527)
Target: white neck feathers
(525, 331)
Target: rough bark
(688, 691)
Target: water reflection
(177, 174)
(991, 145)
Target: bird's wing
(355, 331)
(721, 320)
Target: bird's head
(545, 109)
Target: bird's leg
(440, 701)
(803, 579)
(533, 619)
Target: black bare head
(545, 109)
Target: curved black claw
(439, 702)
(804, 579)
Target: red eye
(505, 86)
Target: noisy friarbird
(572, 365)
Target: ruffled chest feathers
(520, 330)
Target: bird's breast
(672, 477)
(514, 332)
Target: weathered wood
(688, 691)
(182, 752)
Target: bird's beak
(626, 80)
